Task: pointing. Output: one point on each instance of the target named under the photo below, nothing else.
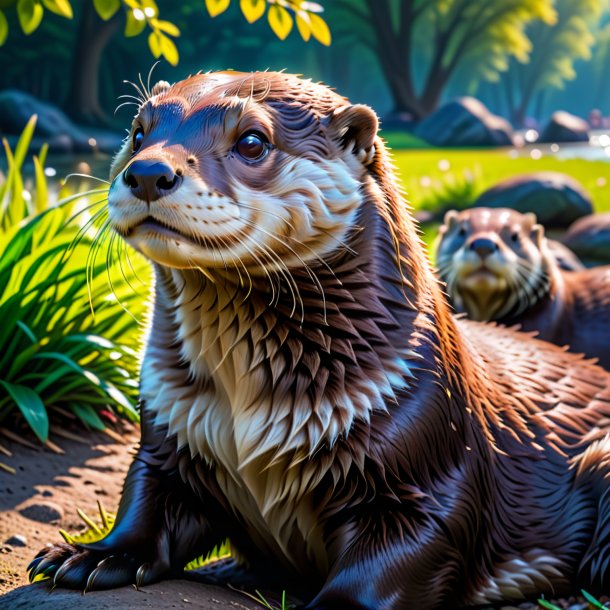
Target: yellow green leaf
(154, 42)
(319, 29)
(133, 26)
(106, 8)
(41, 186)
(29, 13)
(304, 25)
(3, 28)
(168, 49)
(165, 26)
(215, 7)
(253, 10)
(280, 21)
(59, 7)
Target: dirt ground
(42, 497)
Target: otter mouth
(158, 228)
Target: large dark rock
(564, 127)
(556, 199)
(465, 122)
(52, 125)
(589, 238)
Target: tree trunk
(82, 103)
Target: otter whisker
(88, 176)
(141, 97)
(292, 284)
(150, 73)
(307, 268)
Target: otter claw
(33, 565)
(113, 571)
(141, 574)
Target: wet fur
(568, 308)
(380, 454)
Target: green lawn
(448, 178)
(424, 171)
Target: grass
(69, 338)
(424, 171)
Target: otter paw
(76, 567)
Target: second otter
(498, 265)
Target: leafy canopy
(141, 15)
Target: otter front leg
(385, 567)
(159, 528)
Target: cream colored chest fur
(230, 412)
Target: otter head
(495, 262)
(231, 169)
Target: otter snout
(483, 246)
(151, 179)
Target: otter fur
(306, 391)
(498, 265)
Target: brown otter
(306, 392)
(498, 265)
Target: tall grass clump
(69, 309)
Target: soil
(42, 496)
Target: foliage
(593, 603)
(484, 34)
(143, 14)
(452, 191)
(68, 342)
(558, 46)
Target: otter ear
(356, 127)
(530, 219)
(159, 87)
(537, 234)
(451, 219)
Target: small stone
(578, 607)
(45, 512)
(17, 540)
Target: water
(597, 149)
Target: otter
(307, 393)
(498, 265)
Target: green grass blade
(23, 144)
(592, 601)
(31, 406)
(89, 416)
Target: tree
(558, 46)
(98, 20)
(452, 32)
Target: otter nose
(149, 179)
(483, 246)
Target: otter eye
(252, 146)
(138, 138)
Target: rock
(556, 199)
(52, 126)
(17, 540)
(589, 238)
(465, 122)
(398, 120)
(565, 127)
(45, 512)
